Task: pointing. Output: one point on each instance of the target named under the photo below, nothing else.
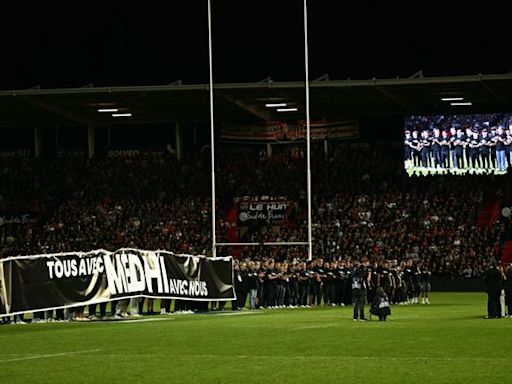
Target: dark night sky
(116, 42)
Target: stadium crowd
(364, 208)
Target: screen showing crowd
(458, 144)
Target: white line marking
(236, 313)
(343, 357)
(314, 326)
(131, 321)
(33, 357)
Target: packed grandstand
(364, 207)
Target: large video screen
(458, 144)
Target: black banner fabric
(32, 283)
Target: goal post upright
(308, 132)
(212, 130)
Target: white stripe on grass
(314, 326)
(380, 358)
(129, 321)
(48, 356)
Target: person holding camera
(360, 279)
(380, 304)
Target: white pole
(308, 136)
(212, 131)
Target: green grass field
(448, 341)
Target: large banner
(262, 209)
(279, 131)
(31, 283)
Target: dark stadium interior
(353, 195)
(119, 43)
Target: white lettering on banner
(198, 288)
(153, 271)
(131, 275)
(127, 273)
(50, 265)
(164, 274)
(245, 216)
(59, 269)
(262, 208)
(136, 276)
(82, 270)
(183, 286)
(74, 267)
(115, 275)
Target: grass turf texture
(448, 341)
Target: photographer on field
(380, 304)
(360, 279)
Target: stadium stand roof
(245, 102)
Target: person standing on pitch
(360, 278)
(507, 286)
(424, 283)
(493, 279)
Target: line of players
(456, 149)
(272, 284)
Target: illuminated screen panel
(458, 144)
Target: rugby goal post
(309, 242)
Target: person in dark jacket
(380, 304)
(238, 282)
(360, 278)
(507, 286)
(493, 281)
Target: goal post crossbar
(268, 243)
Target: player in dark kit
(445, 150)
(436, 151)
(303, 285)
(494, 139)
(474, 149)
(328, 281)
(458, 148)
(415, 145)
(293, 286)
(425, 144)
(415, 287)
(385, 279)
(408, 281)
(424, 283)
(453, 137)
(341, 283)
(485, 149)
(407, 149)
(467, 139)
